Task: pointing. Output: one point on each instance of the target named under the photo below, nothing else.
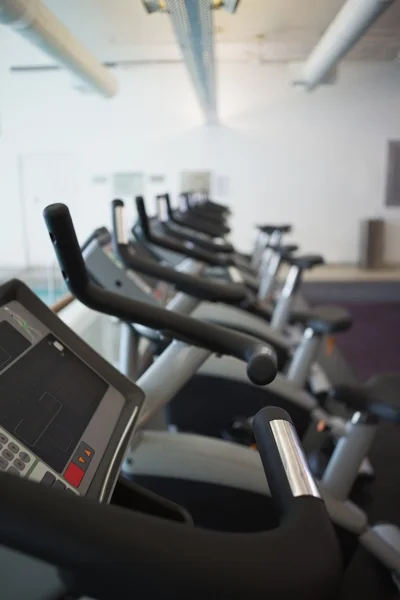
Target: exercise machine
(72, 527)
(194, 458)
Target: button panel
(83, 456)
(19, 464)
(48, 479)
(13, 447)
(10, 460)
(19, 461)
(43, 474)
(8, 455)
(74, 474)
(25, 457)
(14, 471)
(59, 485)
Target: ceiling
(266, 30)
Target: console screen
(47, 397)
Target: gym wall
(318, 160)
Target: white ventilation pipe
(352, 21)
(35, 22)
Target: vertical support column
(350, 451)
(283, 307)
(306, 353)
(128, 351)
(261, 242)
(268, 280)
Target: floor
(352, 273)
(373, 344)
(370, 347)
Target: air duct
(352, 21)
(192, 23)
(35, 22)
(193, 27)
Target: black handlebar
(205, 214)
(104, 550)
(199, 287)
(260, 358)
(186, 235)
(174, 245)
(199, 224)
(275, 435)
(101, 233)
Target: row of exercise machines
(136, 479)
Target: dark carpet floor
(373, 344)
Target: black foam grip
(108, 550)
(198, 287)
(170, 243)
(260, 358)
(142, 214)
(66, 246)
(193, 285)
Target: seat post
(350, 451)
(274, 240)
(268, 279)
(128, 351)
(261, 242)
(304, 357)
(281, 314)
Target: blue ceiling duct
(193, 25)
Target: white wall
(315, 160)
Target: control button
(7, 454)
(48, 479)
(19, 464)
(3, 438)
(59, 485)
(83, 456)
(25, 457)
(74, 475)
(13, 471)
(3, 463)
(13, 447)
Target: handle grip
(172, 244)
(282, 456)
(101, 233)
(199, 287)
(260, 358)
(186, 235)
(143, 218)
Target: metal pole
(350, 451)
